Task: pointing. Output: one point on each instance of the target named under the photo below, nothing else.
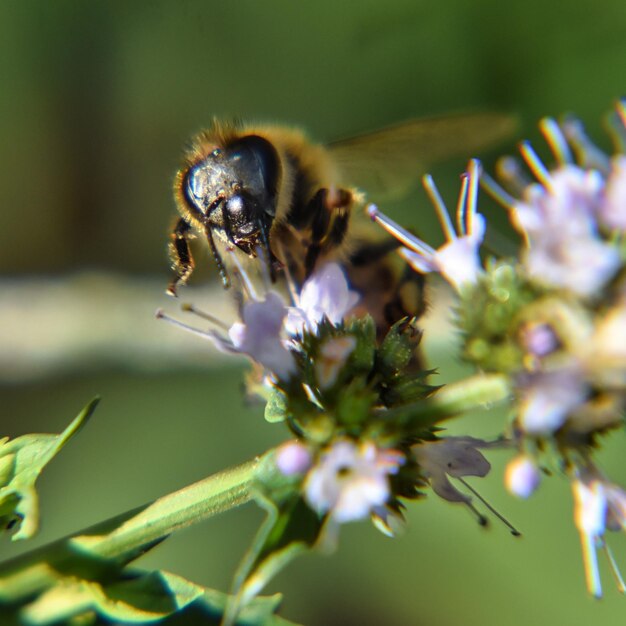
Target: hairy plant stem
(123, 538)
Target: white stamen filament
(440, 207)
(556, 140)
(535, 164)
(402, 235)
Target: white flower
(326, 294)
(351, 480)
(458, 260)
(546, 399)
(598, 505)
(522, 476)
(455, 457)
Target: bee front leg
(180, 255)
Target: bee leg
(218, 259)
(329, 213)
(180, 255)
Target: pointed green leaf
(21, 461)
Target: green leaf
(21, 462)
(140, 598)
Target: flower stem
(125, 537)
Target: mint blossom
(259, 335)
(457, 260)
(451, 457)
(547, 398)
(326, 294)
(559, 221)
(351, 480)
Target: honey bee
(269, 193)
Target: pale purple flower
(351, 480)
(522, 476)
(325, 294)
(260, 335)
(559, 221)
(451, 457)
(598, 505)
(546, 399)
(458, 260)
(293, 458)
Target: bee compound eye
(197, 186)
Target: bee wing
(389, 161)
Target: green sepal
(276, 407)
(398, 348)
(21, 461)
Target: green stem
(121, 539)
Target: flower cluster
(552, 320)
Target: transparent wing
(389, 161)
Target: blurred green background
(96, 102)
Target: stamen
(535, 164)
(620, 108)
(205, 334)
(556, 140)
(440, 207)
(496, 191)
(402, 235)
(619, 581)
(265, 267)
(190, 308)
(509, 170)
(587, 153)
(294, 296)
(514, 531)
(461, 207)
(246, 283)
(474, 171)
(617, 124)
(590, 561)
(480, 518)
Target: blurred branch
(96, 320)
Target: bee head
(233, 190)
